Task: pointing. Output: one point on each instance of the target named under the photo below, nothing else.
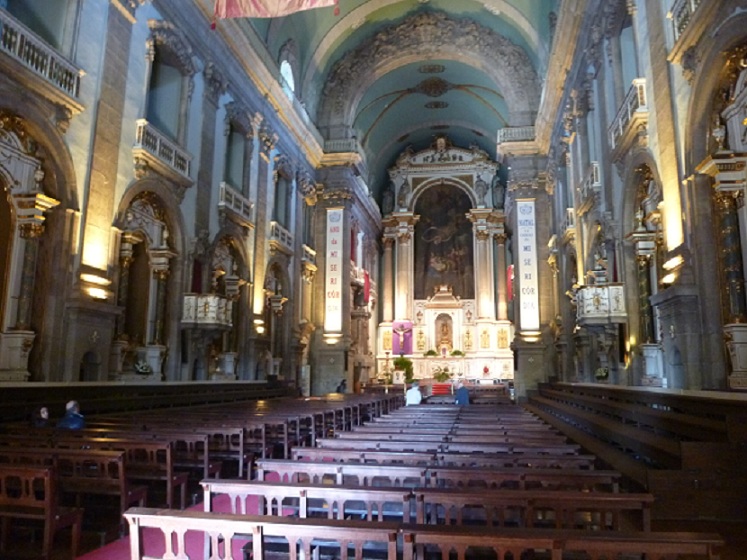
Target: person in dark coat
(40, 417)
(462, 395)
(73, 419)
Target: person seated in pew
(461, 397)
(40, 417)
(413, 394)
(342, 387)
(73, 419)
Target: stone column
(387, 272)
(730, 258)
(646, 315)
(501, 271)
(161, 276)
(404, 273)
(30, 232)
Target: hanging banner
(265, 8)
(527, 283)
(333, 272)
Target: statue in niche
(499, 191)
(387, 202)
(481, 189)
(404, 195)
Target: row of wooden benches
(425, 498)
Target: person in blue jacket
(73, 419)
(462, 395)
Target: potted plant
(404, 364)
(602, 373)
(430, 353)
(457, 353)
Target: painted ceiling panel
(371, 54)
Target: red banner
(265, 8)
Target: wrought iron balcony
(153, 149)
(631, 119)
(38, 65)
(234, 205)
(601, 304)
(207, 311)
(280, 239)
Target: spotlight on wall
(98, 293)
(668, 279)
(332, 338)
(260, 329)
(673, 263)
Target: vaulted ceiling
(394, 74)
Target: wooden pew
(362, 455)
(535, 460)
(305, 500)
(362, 474)
(533, 508)
(219, 528)
(32, 493)
(345, 534)
(522, 543)
(83, 472)
(149, 461)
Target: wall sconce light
(668, 279)
(260, 329)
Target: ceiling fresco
(393, 74)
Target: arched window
(238, 148)
(288, 60)
(169, 87)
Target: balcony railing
(235, 204)
(309, 254)
(633, 110)
(281, 238)
(601, 304)
(681, 13)
(207, 311)
(570, 220)
(166, 152)
(22, 44)
(516, 134)
(591, 184)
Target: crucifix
(402, 328)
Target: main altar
(445, 296)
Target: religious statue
(481, 189)
(387, 202)
(404, 195)
(498, 190)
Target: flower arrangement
(143, 368)
(442, 374)
(602, 373)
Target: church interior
(289, 211)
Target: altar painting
(443, 243)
